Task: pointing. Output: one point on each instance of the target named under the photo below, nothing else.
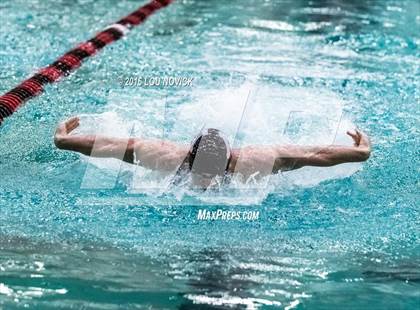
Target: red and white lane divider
(13, 99)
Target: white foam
(280, 115)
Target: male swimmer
(209, 157)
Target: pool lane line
(63, 66)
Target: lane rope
(63, 66)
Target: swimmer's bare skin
(152, 154)
(250, 160)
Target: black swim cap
(210, 153)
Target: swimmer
(209, 157)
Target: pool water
(91, 234)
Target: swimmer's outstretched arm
(294, 157)
(93, 145)
(152, 154)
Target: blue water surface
(346, 242)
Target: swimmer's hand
(361, 143)
(68, 126)
(64, 129)
(360, 139)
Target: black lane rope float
(32, 87)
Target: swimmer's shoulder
(142, 144)
(159, 154)
(252, 159)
